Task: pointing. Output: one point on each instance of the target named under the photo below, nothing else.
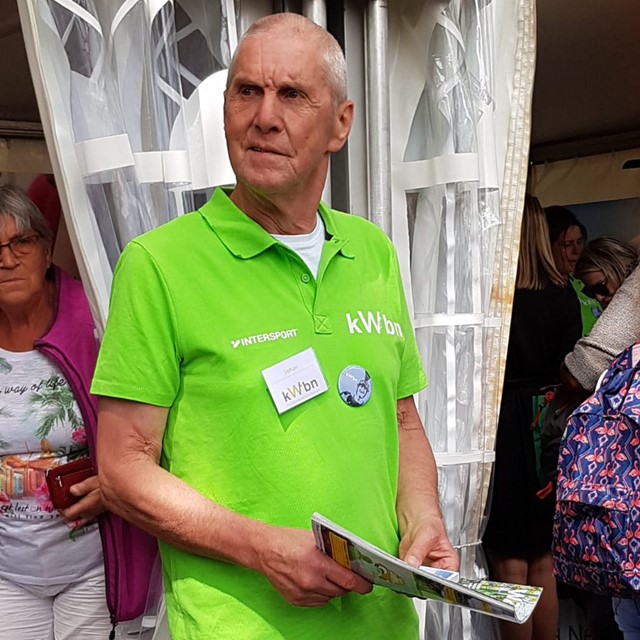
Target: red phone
(62, 477)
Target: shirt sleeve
(412, 376)
(139, 358)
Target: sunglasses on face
(598, 289)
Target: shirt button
(305, 277)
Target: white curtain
(459, 136)
(121, 86)
(130, 93)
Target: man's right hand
(301, 573)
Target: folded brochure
(514, 602)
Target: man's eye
(292, 93)
(20, 243)
(247, 91)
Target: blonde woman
(611, 275)
(604, 265)
(546, 323)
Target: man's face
(361, 391)
(567, 249)
(279, 119)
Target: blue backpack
(596, 530)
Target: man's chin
(265, 184)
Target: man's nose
(268, 115)
(7, 258)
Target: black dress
(545, 325)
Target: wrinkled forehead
(278, 54)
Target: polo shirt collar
(245, 238)
(331, 229)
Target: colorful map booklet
(514, 602)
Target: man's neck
(280, 214)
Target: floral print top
(40, 426)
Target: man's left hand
(425, 542)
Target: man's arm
(570, 384)
(135, 487)
(423, 536)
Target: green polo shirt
(590, 309)
(200, 307)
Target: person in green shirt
(259, 365)
(568, 237)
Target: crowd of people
(568, 323)
(194, 444)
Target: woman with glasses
(610, 271)
(603, 266)
(51, 572)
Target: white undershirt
(307, 245)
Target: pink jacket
(130, 554)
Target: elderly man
(232, 334)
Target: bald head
(292, 25)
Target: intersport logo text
(372, 321)
(264, 337)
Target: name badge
(295, 380)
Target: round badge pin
(355, 386)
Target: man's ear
(343, 120)
(224, 110)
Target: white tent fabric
(115, 82)
(451, 137)
(130, 93)
(586, 179)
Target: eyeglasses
(22, 246)
(598, 289)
